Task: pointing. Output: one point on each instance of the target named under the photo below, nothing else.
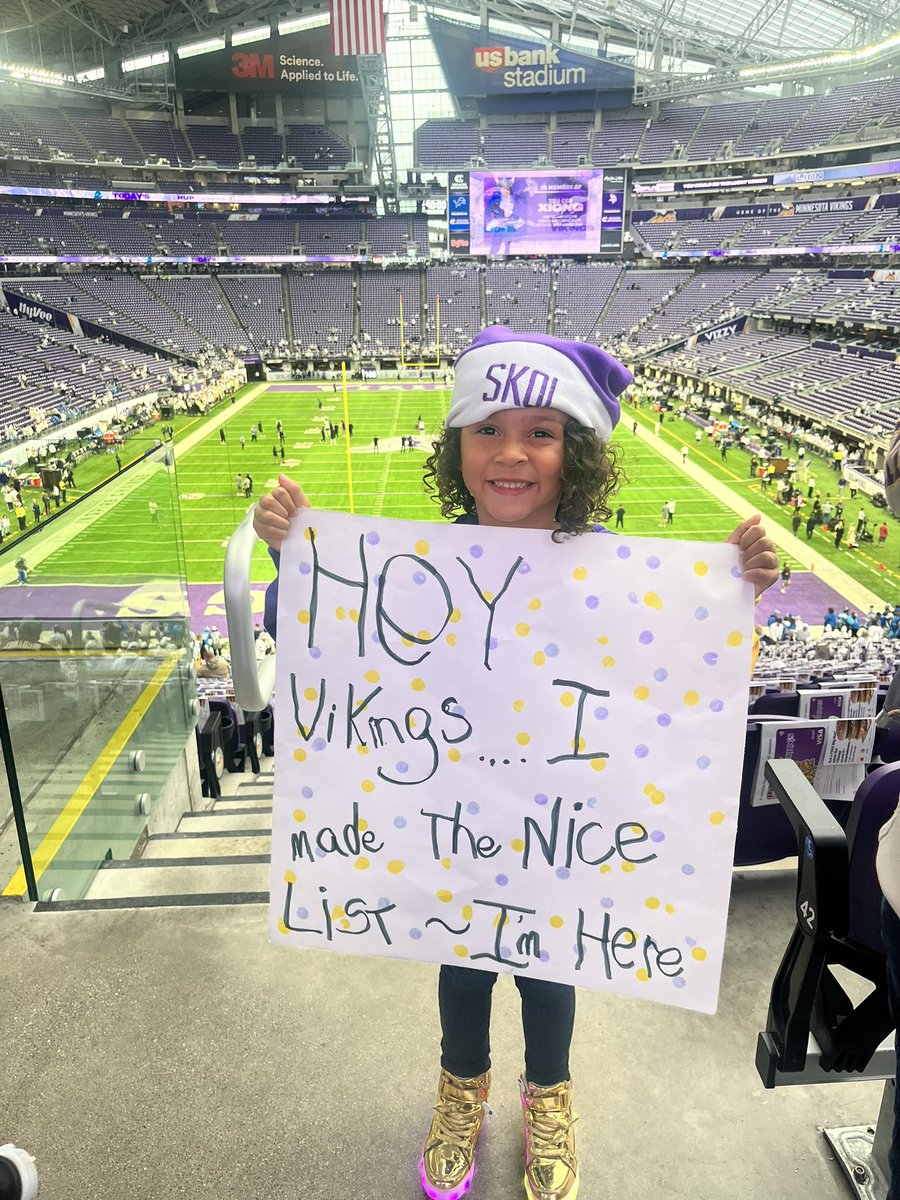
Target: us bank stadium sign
(479, 63)
(294, 63)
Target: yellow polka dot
(649, 789)
(670, 908)
(539, 659)
(290, 877)
(450, 639)
(608, 661)
(444, 897)
(658, 798)
(454, 616)
(534, 604)
(362, 749)
(581, 745)
(418, 685)
(598, 764)
(340, 613)
(604, 641)
(627, 867)
(461, 951)
(567, 699)
(606, 869)
(641, 693)
(652, 902)
(354, 614)
(556, 922)
(580, 573)
(423, 635)
(691, 698)
(422, 548)
(299, 815)
(361, 864)
(716, 818)
(642, 974)
(306, 532)
(498, 918)
(395, 866)
(412, 722)
(310, 694)
(734, 638)
(637, 830)
(522, 629)
(652, 600)
(488, 596)
(446, 863)
(344, 923)
(699, 954)
(517, 844)
(467, 912)
(523, 738)
(371, 677)
(337, 912)
(518, 705)
(363, 825)
(282, 928)
(303, 616)
(406, 642)
(700, 568)
(367, 785)
(453, 754)
(300, 755)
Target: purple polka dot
(305, 568)
(319, 744)
(493, 643)
(563, 872)
(592, 601)
(524, 568)
(302, 913)
(320, 853)
(505, 952)
(306, 792)
(687, 869)
(607, 902)
(652, 562)
(402, 768)
(473, 807)
(716, 705)
(545, 956)
(737, 572)
(551, 649)
(623, 552)
(645, 637)
(664, 720)
(399, 822)
(703, 762)
(660, 674)
(711, 658)
(415, 934)
(592, 802)
(476, 551)
(418, 576)
(375, 638)
(657, 836)
(701, 613)
(641, 751)
(501, 880)
(540, 798)
(315, 652)
(383, 902)
(376, 579)
(373, 539)
(679, 981)
(632, 596)
(457, 710)
(601, 713)
(691, 941)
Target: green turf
(388, 484)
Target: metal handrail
(254, 681)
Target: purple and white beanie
(502, 370)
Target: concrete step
(243, 880)
(215, 821)
(230, 804)
(210, 846)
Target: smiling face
(512, 465)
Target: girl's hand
(272, 515)
(759, 559)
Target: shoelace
(455, 1125)
(549, 1134)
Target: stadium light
(145, 61)
(297, 24)
(205, 47)
(257, 34)
(842, 58)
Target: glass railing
(96, 676)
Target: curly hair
(591, 473)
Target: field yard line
(252, 393)
(858, 595)
(382, 487)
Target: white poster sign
(499, 751)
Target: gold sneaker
(448, 1160)
(551, 1165)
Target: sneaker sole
(534, 1195)
(438, 1193)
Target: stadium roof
(74, 35)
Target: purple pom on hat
(502, 370)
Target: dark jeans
(890, 935)
(548, 1017)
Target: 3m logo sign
(253, 66)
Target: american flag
(357, 27)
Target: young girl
(526, 446)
